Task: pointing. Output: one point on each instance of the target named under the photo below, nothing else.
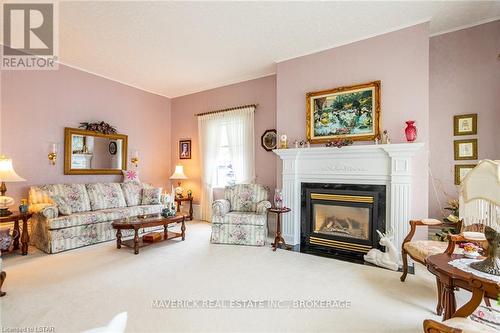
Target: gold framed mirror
(93, 153)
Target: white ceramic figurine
(388, 259)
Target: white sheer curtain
(239, 126)
(240, 135)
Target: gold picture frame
(351, 112)
(459, 172)
(69, 133)
(465, 124)
(465, 149)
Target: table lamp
(178, 175)
(480, 205)
(7, 174)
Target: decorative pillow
(132, 192)
(62, 205)
(75, 195)
(130, 176)
(105, 195)
(151, 196)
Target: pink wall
(185, 126)
(464, 78)
(37, 105)
(399, 59)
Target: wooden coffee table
(137, 223)
(449, 278)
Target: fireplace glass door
(342, 221)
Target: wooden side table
(449, 278)
(24, 235)
(180, 200)
(279, 239)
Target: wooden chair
(419, 250)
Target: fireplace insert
(341, 220)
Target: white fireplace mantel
(388, 165)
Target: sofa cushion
(130, 176)
(63, 207)
(132, 191)
(247, 218)
(101, 216)
(76, 219)
(105, 195)
(245, 197)
(75, 195)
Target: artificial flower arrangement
(471, 250)
(452, 218)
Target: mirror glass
(89, 152)
(94, 153)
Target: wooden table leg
(118, 238)
(183, 229)
(278, 237)
(191, 209)
(136, 241)
(165, 230)
(449, 303)
(25, 238)
(3, 275)
(439, 307)
(178, 206)
(18, 234)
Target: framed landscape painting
(347, 112)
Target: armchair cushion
(421, 249)
(247, 218)
(245, 197)
(220, 207)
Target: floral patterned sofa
(240, 218)
(92, 207)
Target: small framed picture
(113, 148)
(185, 149)
(461, 170)
(269, 140)
(465, 124)
(465, 149)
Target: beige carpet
(84, 288)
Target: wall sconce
(52, 156)
(135, 158)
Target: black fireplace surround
(341, 220)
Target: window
(224, 174)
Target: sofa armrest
(262, 207)
(220, 207)
(47, 210)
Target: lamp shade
(178, 173)
(7, 173)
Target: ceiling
(177, 48)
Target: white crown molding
(467, 26)
(225, 84)
(114, 80)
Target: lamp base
(5, 212)
(491, 264)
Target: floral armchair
(241, 218)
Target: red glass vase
(410, 131)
